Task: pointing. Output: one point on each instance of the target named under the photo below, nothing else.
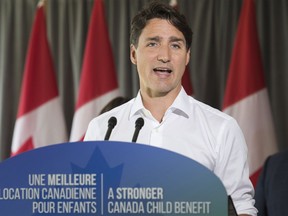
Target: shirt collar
(180, 106)
(137, 106)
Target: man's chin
(162, 91)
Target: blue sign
(108, 178)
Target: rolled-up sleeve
(232, 167)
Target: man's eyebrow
(176, 39)
(156, 38)
(171, 39)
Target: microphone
(138, 125)
(231, 208)
(111, 124)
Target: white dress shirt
(193, 129)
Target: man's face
(161, 58)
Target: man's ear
(133, 54)
(188, 57)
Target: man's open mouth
(162, 70)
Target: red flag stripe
(40, 119)
(87, 112)
(246, 96)
(246, 72)
(254, 177)
(97, 59)
(38, 71)
(98, 83)
(45, 125)
(28, 145)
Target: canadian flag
(40, 119)
(246, 96)
(98, 83)
(186, 80)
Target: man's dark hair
(157, 9)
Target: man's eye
(176, 46)
(152, 44)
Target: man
(271, 193)
(160, 48)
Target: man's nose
(164, 54)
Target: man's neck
(158, 105)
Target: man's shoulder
(208, 110)
(275, 164)
(279, 159)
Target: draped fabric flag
(186, 80)
(246, 96)
(98, 83)
(40, 119)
